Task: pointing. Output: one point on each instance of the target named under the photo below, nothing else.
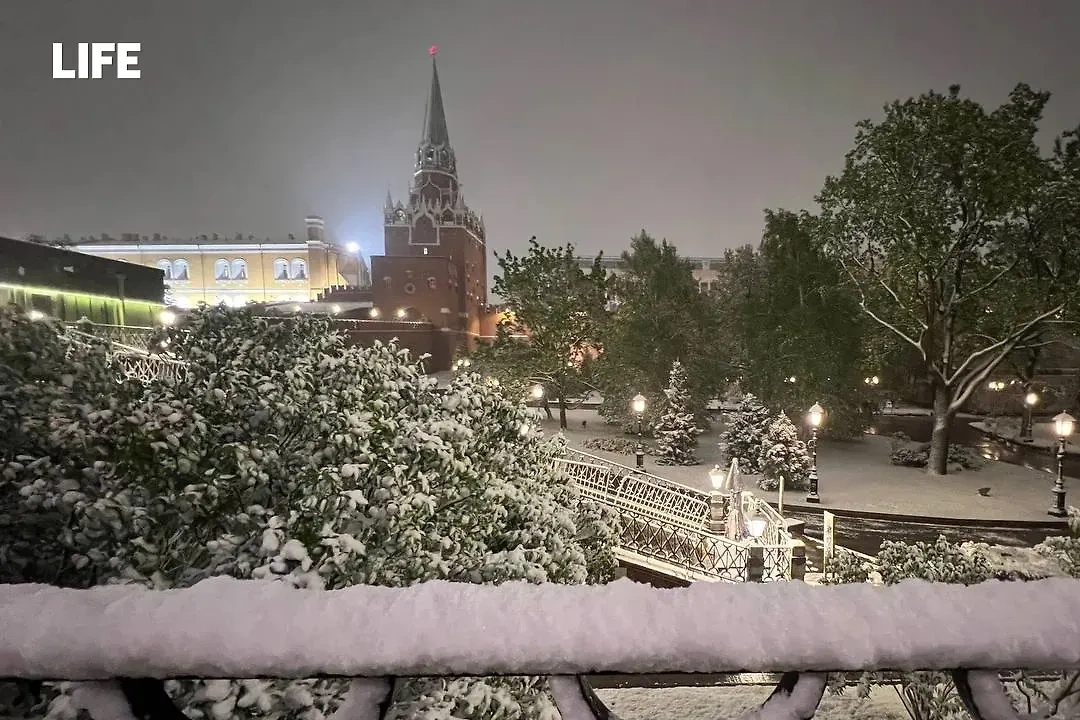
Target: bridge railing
(131, 336)
(122, 641)
(672, 523)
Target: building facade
(235, 272)
(702, 269)
(70, 286)
(435, 262)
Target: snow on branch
(225, 628)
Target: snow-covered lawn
(857, 475)
(716, 703)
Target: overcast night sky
(573, 120)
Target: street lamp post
(815, 416)
(1030, 401)
(1063, 426)
(755, 559)
(638, 406)
(717, 511)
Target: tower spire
(435, 152)
(435, 132)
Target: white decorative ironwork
(668, 523)
(131, 336)
(133, 361)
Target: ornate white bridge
(676, 530)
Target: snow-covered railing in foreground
(135, 360)
(218, 629)
(666, 525)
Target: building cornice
(127, 249)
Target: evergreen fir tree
(744, 431)
(784, 456)
(677, 430)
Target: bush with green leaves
(284, 454)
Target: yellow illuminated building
(235, 272)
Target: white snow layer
(226, 628)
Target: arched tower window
(166, 267)
(221, 270)
(298, 269)
(281, 269)
(239, 269)
(181, 270)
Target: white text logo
(92, 58)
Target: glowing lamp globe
(717, 477)
(538, 392)
(815, 415)
(1064, 424)
(756, 526)
(1031, 399)
(638, 404)
(353, 247)
(167, 317)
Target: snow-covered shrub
(743, 432)
(960, 457)
(283, 454)
(677, 430)
(784, 456)
(623, 446)
(1065, 550)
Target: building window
(221, 270)
(431, 283)
(409, 288)
(281, 269)
(298, 269)
(239, 270)
(181, 270)
(166, 267)
(408, 274)
(387, 282)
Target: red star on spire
(433, 50)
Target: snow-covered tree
(744, 431)
(284, 454)
(784, 456)
(676, 430)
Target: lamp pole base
(813, 498)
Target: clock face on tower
(400, 216)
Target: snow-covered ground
(857, 476)
(716, 703)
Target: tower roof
(435, 132)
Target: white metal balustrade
(665, 526)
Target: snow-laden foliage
(745, 429)
(676, 431)
(932, 695)
(283, 453)
(784, 457)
